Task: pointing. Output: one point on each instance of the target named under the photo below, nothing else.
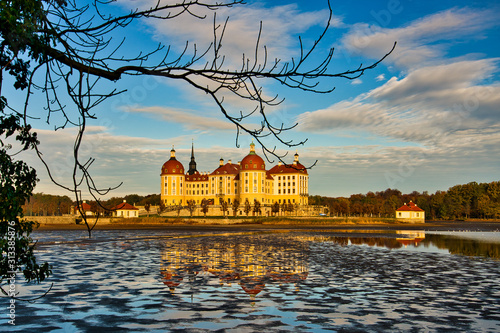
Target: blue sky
(425, 119)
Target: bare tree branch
(75, 49)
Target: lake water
(265, 281)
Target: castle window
(288, 191)
(279, 191)
(255, 166)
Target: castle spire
(192, 165)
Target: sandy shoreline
(428, 226)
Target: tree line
(41, 204)
(470, 200)
(465, 201)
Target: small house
(125, 210)
(86, 209)
(410, 213)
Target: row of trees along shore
(41, 204)
(470, 200)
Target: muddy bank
(291, 224)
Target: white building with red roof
(125, 210)
(410, 213)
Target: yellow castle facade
(246, 180)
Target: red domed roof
(252, 161)
(172, 166)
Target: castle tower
(172, 174)
(253, 178)
(192, 165)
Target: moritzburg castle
(246, 180)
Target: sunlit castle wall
(172, 181)
(197, 187)
(291, 183)
(246, 180)
(224, 182)
(253, 178)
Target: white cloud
(381, 77)
(356, 82)
(418, 42)
(189, 119)
(431, 105)
(131, 160)
(280, 25)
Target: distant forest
(41, 204)
(471, 200)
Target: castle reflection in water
(253, 261)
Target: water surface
(305, 281)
